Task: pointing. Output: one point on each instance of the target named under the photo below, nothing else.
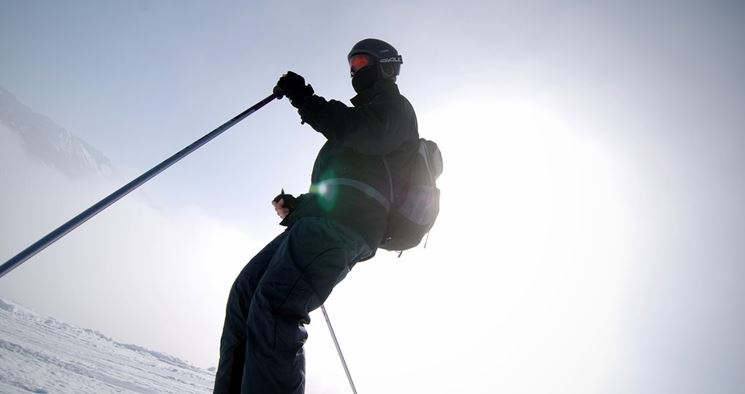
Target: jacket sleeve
(377, 128)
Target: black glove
(293, 86)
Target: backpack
(415, 209)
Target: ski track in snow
(42, 355)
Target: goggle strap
(395, 59)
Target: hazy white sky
(592, 224)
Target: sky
(590, 238)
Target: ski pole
(338, 349)
(126, 189)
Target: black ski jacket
(361, 163)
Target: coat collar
(383, 86)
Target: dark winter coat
(381, 124)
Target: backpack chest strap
(368, 190)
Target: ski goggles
(358, 62)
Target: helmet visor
(358, 62)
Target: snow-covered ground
(42, 355)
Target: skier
(340, 222)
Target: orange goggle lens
(358, 62)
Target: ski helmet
(380, 54)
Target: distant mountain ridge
(47, 141)
(43, 355)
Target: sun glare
(537, 208)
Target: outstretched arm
(377, 128)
